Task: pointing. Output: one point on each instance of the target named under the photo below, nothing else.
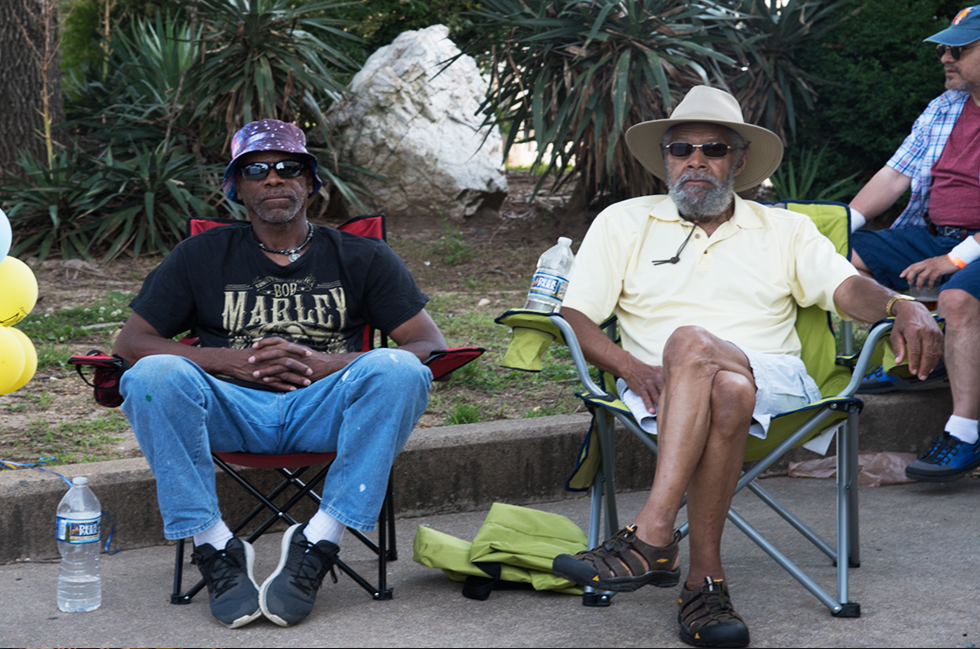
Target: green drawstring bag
(513, 549)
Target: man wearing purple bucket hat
(279, 305)
(935, 242)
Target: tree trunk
(28, 67)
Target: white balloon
(5, 235)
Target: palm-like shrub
(765, 41)
(269, 59)
(43, 204)
(575, 75)
(153, 122)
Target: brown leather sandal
(708, 619)
(623, 563)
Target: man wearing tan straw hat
(279, 306)
(935, 242)
(706, 287)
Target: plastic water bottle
(78, 532)
(551, 278)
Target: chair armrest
(443, 362)
(527, 319)
(107, 371)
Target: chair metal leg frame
(386, 530)
(265, 502)
(846, 506)
(603, 487)
(847, 482)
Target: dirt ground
(494, 259)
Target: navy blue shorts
(887, 253)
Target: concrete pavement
(917, 587)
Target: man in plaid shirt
(934, 243)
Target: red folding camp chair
(292, 468)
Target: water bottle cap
(565, 241)
(79, 481)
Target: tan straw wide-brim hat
(713, 106)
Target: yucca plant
(139, 91)
(147, 198)
(574, 74)
(270, 59)
(797, 179)
(43, 207)
(577, 74)
(767, 81)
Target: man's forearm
(863, 299)
(598, 349)
(881, 192)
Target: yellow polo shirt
(743, 283)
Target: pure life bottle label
(75, 530)
(548, 285)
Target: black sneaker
(949, 459)
(289, 593)
(232, 591)
(880, 382)
(708, 619)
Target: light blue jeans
(365, 413)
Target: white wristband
(967, 250)
(857, 219)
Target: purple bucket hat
(267, 135)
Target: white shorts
(782, 384)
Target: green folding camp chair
(839, 409)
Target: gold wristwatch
(893, 299)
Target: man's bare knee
(689, 345)
(732, 401)
(959, 308)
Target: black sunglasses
(711, 149)
(284, 169)
(956, 51)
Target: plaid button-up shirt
(922, 148)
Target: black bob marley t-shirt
(222, 286)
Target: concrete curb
(441, 470)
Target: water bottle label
(78, 530)
(548, 285)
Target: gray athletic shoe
(288, 595)
(232, 591)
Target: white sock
(324, 527)
(963, 429)
(217, 535)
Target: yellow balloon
(30, 360)
(12, 359)
(18, 291)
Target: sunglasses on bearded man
(709, 149)
(284, 169)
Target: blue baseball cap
(964, 30)
(267, 135)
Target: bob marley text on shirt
(301, 311)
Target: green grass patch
(501, 392)
(78, 321)
(463, 413)
(450, 247)
(53, 331)
(85, 440)
(32, 402)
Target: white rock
(416, 123)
